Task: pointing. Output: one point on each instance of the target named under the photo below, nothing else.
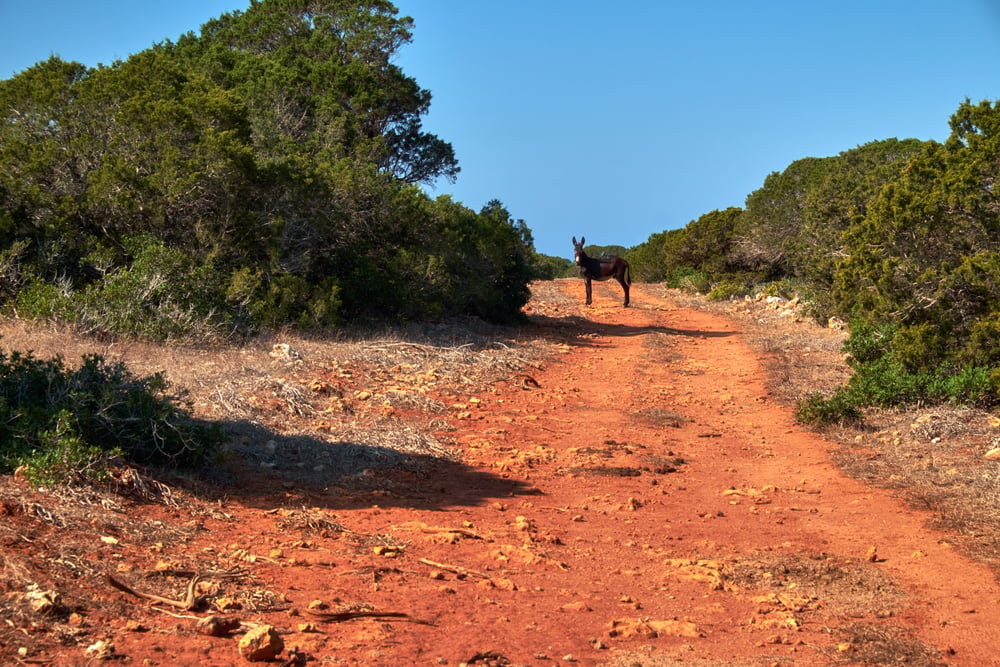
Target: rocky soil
(604, 486)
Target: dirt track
(639, 499)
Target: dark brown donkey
(601, 269)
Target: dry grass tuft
(884, 645)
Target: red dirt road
(639, 500)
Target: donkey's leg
(625, 287)
(590, 290)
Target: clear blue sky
(617, 120)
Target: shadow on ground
(577, 330)
(265, 469)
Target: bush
(888, 373)
(688, 279)
(62, 456)
(163, 295)
(60, 423)
(728, 289)
(837, 409)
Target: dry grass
(323, 410)
(869, 644)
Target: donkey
(601, 269)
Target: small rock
(135, 626)
(226, 604)
(100, 650)
(43, 602)
(214, 626)
(262, 644)
(285, 352)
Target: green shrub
(727, 289)
(971, 386)
(838, 409)
(62, 456)
(688, 279)
(60, 423)
(40, 300)
(894, 366)
(163, 295)
(868, 342)
(918, 348)
(288, 299)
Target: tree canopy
(276, 155)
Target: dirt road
(637, 500)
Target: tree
(320, 83)
(926, 254)
(277, 152)
(854, 177)
(647, 259)
(768, 238)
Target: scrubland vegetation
(264, 173)
(900, 238)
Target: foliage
(728, 289)
(646, 259)
(768, 236)
(926, 255)
(547, 267)
(260, 173)
(888, 374)
(696, 256)
(60, 422)
(895, 233)
(688, 279)
(838, 409)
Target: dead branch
(457, 569)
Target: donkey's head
(578, 254)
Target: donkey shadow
(582, 332)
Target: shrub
(62, 456)
(163, 295)
(728, 289)
(59, 423)
(688, 279)
(837, 409)
(889, 371)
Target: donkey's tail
(628, 273)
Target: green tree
(708, 243)
(647, 259)
(277, 151)
(320, 83)
(926, 254)
(853, 179)
(768, 237)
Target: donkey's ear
(583, 241)
(574, 240)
